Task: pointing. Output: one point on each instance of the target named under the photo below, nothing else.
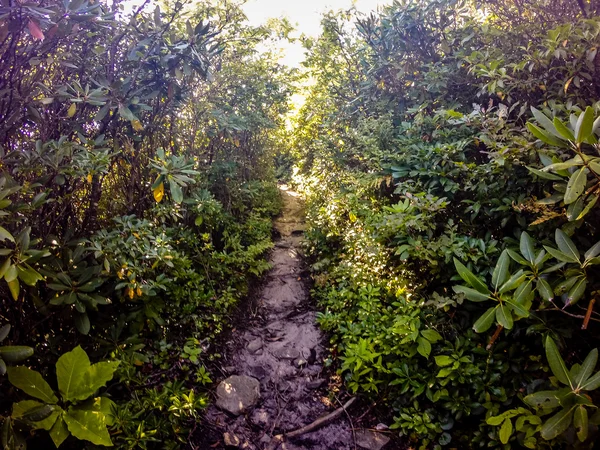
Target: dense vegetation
(136, 195)
(449, 153)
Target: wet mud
(282, 347)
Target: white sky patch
(304, 15)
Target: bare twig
(277, 440)
(350, 422)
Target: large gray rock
(371, 440)
(238, 393)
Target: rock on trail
(280, 350)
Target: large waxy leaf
(566, 245)
(96, 376)
(504, 316)
(543, 400)
(545, 122)
(176, 192)
(423, 347)
(557, 424)
(513, 282)
(562, 129)
(59, 431)
(580, 422)
(544, 289)
(585, 123)
(471, 294)
(32, 383)
(70, 370)
(485, 321)
(591, 383)
(576, 186)
(557, 364)
(15, 353)
(470, 278)
(544, 136)
(88, 426)
(500, 274)
(526, 247)
(505, 431)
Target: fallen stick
(278, 439)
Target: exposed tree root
(277, 440)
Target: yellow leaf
(138, 291)
(89, 178)
(130, 293)
(72, 110)
(159, 192)
(137, 125)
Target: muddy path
(276, 359)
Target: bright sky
(305, 15)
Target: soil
(281, 345)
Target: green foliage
(78, 413)
(11, 353)
(448, 164)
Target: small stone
(237, 394)
(231, 440)
(260, 418)
(381, 427)
(371, 440)
(300, 362)
(286, 353)
(255, 345)
(266, 439)
(230, 369)
(315, 384)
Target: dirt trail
(282, 347)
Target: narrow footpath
(275, 363)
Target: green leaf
(516, 257)
(544, 175)
(96, 376)
(580, 422)
(544, 289)
(592, 252)
(5, 235)
(504, 316)
(591, 383)
(544, 136)
(557, 364)
(485, 321)
(82, 323)
(176, 192)
(70, 371)
(424, 347)
(584, 126)
(563, 130)
(513, 282)
(543, 400)
(576, 292)
(431, 335)
(566, 245)
(28, 275)
(15, 288)
(32, 383)
(15, 353)
(443, 360)
(59, 431)
(526, 247)
(545, 122)
(500, 274)
(519, 309)
(587, 368)
(470, 294)
(505, 431)
(470, 278)
(88, 426)
(560, 255)
(576, 186)
(557, 424)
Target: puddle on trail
(282, 347)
